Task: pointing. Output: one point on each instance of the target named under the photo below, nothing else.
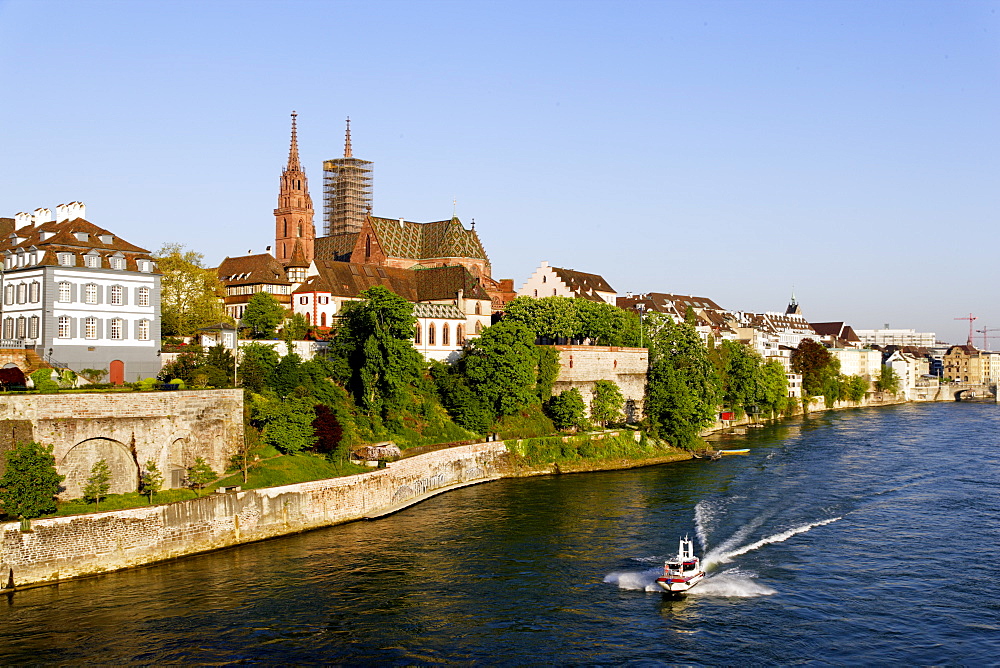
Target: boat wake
(724, 554)
(733, 583)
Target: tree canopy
(501, 367)
(30, 483)
(190, 294)
(555, 318)
(263, 315)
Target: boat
(682, 572)
(734, 452)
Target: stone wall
(66, 547)
(581, 366)
(126, 429)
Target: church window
(459, 335)
(430, 334)
(368, 246)
(117, 327)
(90, 328)
(416, 334)
(90, 293)
(143, 298)
(285, 221)
(33, 327)
(300, 229)
(479, 327)
(64, 292)
(63, 331)
(142, 331)
(445, 335)
(479, 308)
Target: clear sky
(725, 149)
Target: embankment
(60, 548)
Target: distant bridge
(966, 391)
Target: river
(853, 537)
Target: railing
(12, 343)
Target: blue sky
(725, 149)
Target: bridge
(966, 391)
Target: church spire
(293, 219)
(347, 140)
(293, 149)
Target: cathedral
(353, 235)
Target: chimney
(75, 210)
(43, 216)
(62, 212)
(22, 219)
(461, 300)
(401, 221)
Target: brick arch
(78, 461)
(180, 455)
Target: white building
(555, 282)
(910, 369)
(896, 337)
(859, 362)
(78, 295)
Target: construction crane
(985, 331)
(971, 318)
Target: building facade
(294, 231)
(549, 281)
(80, 296)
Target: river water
(855, 537)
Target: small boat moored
(683, 571)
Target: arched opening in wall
(116, 372)
(445, 335)
(77, 463)
(631, 411)
(177, 457)
(460, 335)
(322, 319)
(430, 334)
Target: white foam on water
(642, 581)
(721, 556)
(733, 583)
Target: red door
(117, 371)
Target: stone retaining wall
(66, 547)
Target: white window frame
(33, 326)
(143, 297)
(142, 330)
(90, 328)
(65, 292)
(92, 260)
(117, 329)
(35, 293)
(116, 295)
(64, 327)
(90, 293)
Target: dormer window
(117, 263)
(93, 260)
(106, 238)
(45, 235)
(67, 260)
(81, 236)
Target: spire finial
(293, 150)
(347, 140)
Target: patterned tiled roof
(261, 269)
(444, 283)
(583, 284)
(336, 246)
(443, 238)
(449, 311)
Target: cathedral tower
(293, 219)
(347, 191)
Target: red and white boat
(683, 571)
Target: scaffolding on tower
(347, 191)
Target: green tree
(287, 375)
(286, 424)
(42, 380)
(741, 376)
(463, 404)
(151, 480)
(608, 402)
(295, 328)
(855, 388)
(263, 315)
(98, 483)
(30, 483)
(201, 474)
(773, 387)
(374, 341)
(184, 367)
(567, 410)
(683, 388)
(551, 318)
(548, 371)
(814, 362)
(218, 366)
(887, 381)
(500, 367)
(257, 361)
(190, 295)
